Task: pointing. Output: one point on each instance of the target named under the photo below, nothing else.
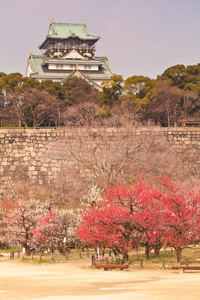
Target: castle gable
(73, 54)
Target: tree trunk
(27, 250)
(115, 253)
(157, 248)
(147, 251)
(61, 249)
(178, 254)
(168, 119)
(125, 256)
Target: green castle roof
(66, 30)
(36, 62)
(87, 78)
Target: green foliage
(2, 74)
(187, 78)
(53, 88)
(174, 75)
(29, 83)
(10, 82)
(138, 86)
(119, 260)
(112, 91)
(102, 111)
(137, 98)
(15, 82)
(137, 93)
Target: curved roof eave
(65, 38)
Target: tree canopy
(170, 100)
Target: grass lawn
(192, 255)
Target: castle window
(59, 66)
(87, 67)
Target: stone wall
(37, 157)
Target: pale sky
(140, 37)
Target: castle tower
(69, 50)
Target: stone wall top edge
(108, 129)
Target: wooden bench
(183, 268)
(106, 267)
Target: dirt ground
(74, 280)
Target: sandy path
(72, 281)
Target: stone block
(31, 168)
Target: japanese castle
(69, 50)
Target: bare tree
(172, 106)
(33, 108)
(108, 156)
(81, 114)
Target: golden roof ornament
(78, 75)
(30, 53)
(83, 21)
(51, 21)
(77, 67)
(105, 55)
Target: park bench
(183, 268)
(106, 267)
